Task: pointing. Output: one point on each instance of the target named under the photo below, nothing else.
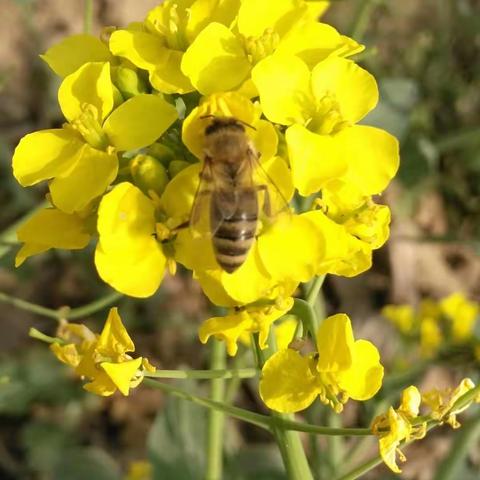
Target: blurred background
(426, 57)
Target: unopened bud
(148, 174)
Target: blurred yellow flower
(393, 427)
(342, 369)
(402, 316)
(103, 359)
(462, 315)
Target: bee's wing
(269, 179)
(211, 205)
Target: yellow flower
(442, 402)
(221, 58)
(241, 321)
(103, 359)
(140, 470)
(285, 332)
(320, 108)
(431, 336)
(461, 313)
(52, 228)
(402, 316)
(342, 369)
(128, 255)
(158, 44)
(81, 157)
(393, 427)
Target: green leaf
(176, 441)
(86, 463)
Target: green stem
(314, 290)
(239, 362)
(288, 441)
(216, 418)
(464, 440)
(263, 421)
(63, 312)
(362, 18)
(257, 419)
(362, 469)
(38, 335)
(88, 16)
(204, 374)
(303, 310)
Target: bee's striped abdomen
(234, 237)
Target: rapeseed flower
(320, 108)
(221, 56)
(81, 158)
(397, 426)
(343, 368)
(461, 315)
(104, 360)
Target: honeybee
(228, 192)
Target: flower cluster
(450, 321)
(103, 359)
(404, 423)
(124, 168)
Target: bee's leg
(267, 206)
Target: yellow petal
(315, 159)
(299, 237)
(122, 373)
(203, 12)
(139, 122)
(51, 228)
(136, 271)
(67, 354)
(287, 384)
(167, 77)
(45, 154)
(364, 378)
(279, 15)
(317, 8)
(88, 179)
(89, 85)
(215, 61)
(210, 281)
(335, 344)
(145, 50)
(372, 155)
(285, 332)
(114, 339)
(312, 42)
(289, 100)
(101, 385)
(353, 87)
(411, 400)
(128, 257)
(74, 51)
(228, 329)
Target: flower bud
(176, 166)
(128, 82)
(148, 174)
(161, 153)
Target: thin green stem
(88, 16)
(63, 312)
(331, 431)
(314, 290)
(216, 418)
(362, 469)
(362, 18)
(306, 313)
(257, 419)
(239, 362)
(204, 374)
(38, 335)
